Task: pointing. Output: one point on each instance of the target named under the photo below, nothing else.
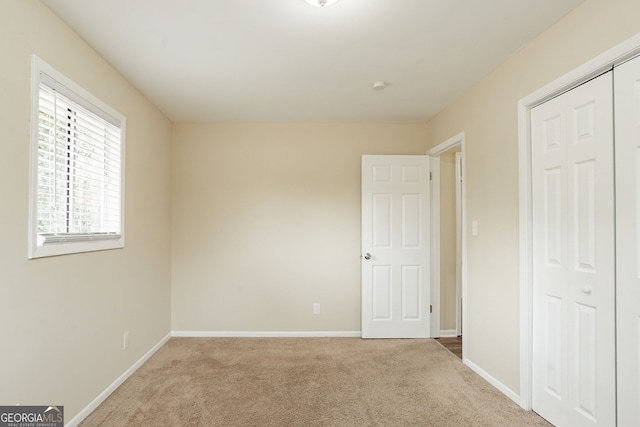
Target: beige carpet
(306, 382)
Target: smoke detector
(321, 3)
(379, 85)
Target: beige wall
(488, 115)
(63, 318)
(448, 241)
(266, 222)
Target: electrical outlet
(125, 340)
(316, 308)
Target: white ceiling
(284, 60)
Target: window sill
(74, 247)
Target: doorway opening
(448, 243)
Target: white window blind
(78, 190)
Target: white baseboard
(494, 382)
(267, 334)
(122, 378)
(448, 333)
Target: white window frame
(70, 243)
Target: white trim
(267, 334)
(117, 383)
(453, 142)
(459, 160)
(435, 246)
(448, 333)
(605, 61)
(491, 380)
(526, 255)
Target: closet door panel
(573, 251)
(591, 245)
(627, 126)
(550, 269)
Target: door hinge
(430, 176)
(430, 308)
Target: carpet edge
(84, 413)
(494, 382)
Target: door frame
(434, 156)
(459, 159)
(598, 65)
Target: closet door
(573, 250)
(627, 108)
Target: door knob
(367, 256)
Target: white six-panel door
(573, 251)
(395, 247)
(627, 110)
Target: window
(77, 153)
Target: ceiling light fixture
(321, 3)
